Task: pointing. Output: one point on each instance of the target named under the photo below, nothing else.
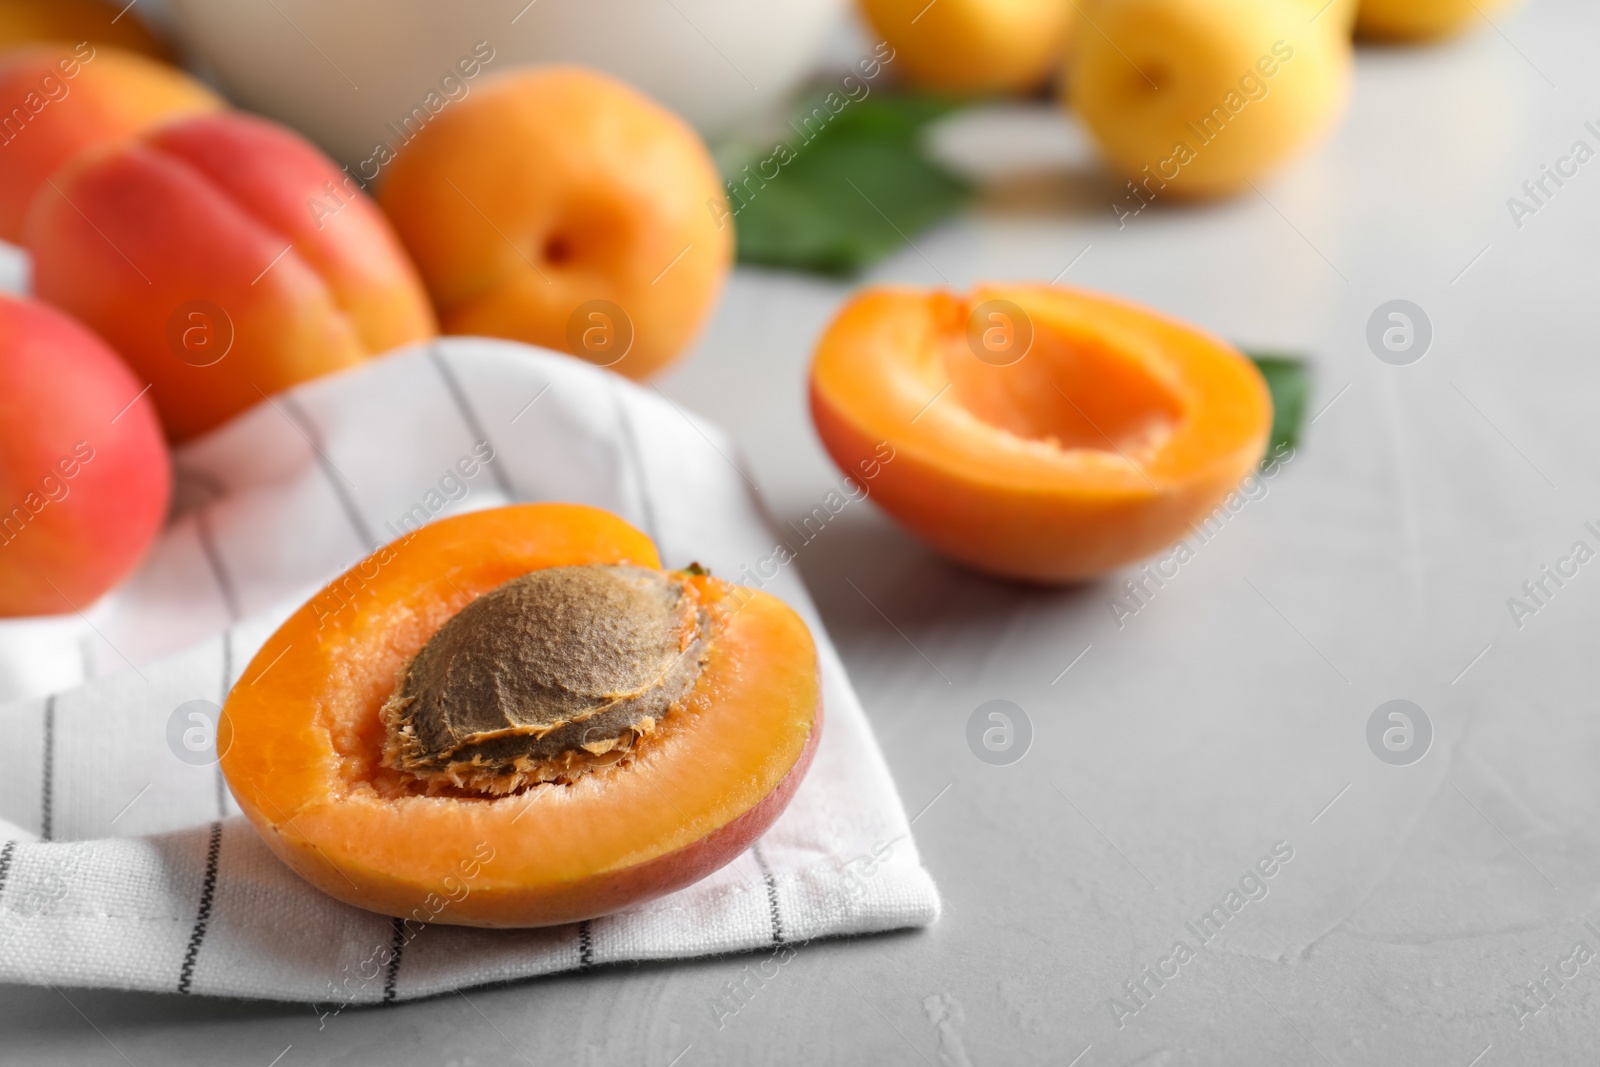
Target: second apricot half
(1038, 432)
(559, 207)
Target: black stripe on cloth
(586, 943)
(336, 479)
(469, 416)
(222, 793)
(208, 890)
(772, 894)
(6, 853)
(219, 573)
(47, 785)
(397, 944)
(635, 458)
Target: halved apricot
(515, 717)
(1035, 431)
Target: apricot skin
(1408, 21)
(96, 21)
(552, 188)
(1198, 98)
(974, 46)
(302, 741)
(82, 497)
(65, 98)
(225, 260)
(1015, 508)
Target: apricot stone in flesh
(510, 634)
(536, 679)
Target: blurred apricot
(560, 207)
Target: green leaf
(1289, 382)
(857, 187)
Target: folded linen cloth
(126, 863)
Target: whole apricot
(62, 99)
(1201, 97)
(84, 474)
(974, 46)
(1035, 431)
(559, 207)
(226, 259)
(1421, 20)
(96, 21)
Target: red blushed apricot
(1098, 446)
(332, 738)
(57, 100)
(560, 207)
(84, 474)
(226, 259)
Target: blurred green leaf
(858, 187)
(1289, 382)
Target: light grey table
(1230, 713)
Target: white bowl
(348, 72)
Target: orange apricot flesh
(304, 741)
(1070, 435)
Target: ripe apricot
(974, 46)
(1201, 97)
(1037, 432)
(96, 21)
(559, 207)
(1421, 20)
(225, 259)
(515, 717)
(59, 99)
(84, 474)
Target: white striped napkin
(126, 865)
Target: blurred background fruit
(1422, 20)
(560, 207)
(713, 61)
(62, 98)
(72, 21)
(225, 259)
(1341, 13)
(84, 474)
(974, 46)
(1201, 97)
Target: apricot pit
(536, 680)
